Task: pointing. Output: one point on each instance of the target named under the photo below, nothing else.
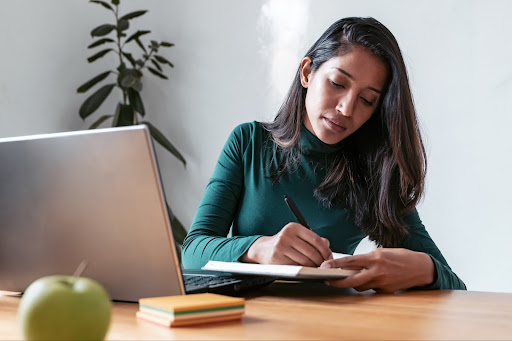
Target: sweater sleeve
(419, 240)
(207, 237)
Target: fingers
(306, 247)
(320, 244)
(385, 270)
(294, 244)
(356, 262)
(362, 279)
(303, 253)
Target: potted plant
(113, 38)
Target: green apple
(64, 308)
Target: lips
(335, 125)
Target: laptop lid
(94, 195)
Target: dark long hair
(379, 174)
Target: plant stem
(120, 51)
(146, 58)
(119, 48)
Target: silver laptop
(93, 195)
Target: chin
(329, 139)
(328, 136)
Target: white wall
(234, 61)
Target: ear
(305, 72)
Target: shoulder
(247, 133)
(248, 128)
(412, 218)
(414, 222)
(246, 141)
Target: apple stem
(81, 267)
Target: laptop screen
(93, 195)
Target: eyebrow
(352, 77)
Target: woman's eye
(367, 102)
(336, 84)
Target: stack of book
(183, 310)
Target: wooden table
(298, 311)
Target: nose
(346, 105)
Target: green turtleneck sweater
(240, 196)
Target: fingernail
(325, 265)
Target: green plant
(113, 37)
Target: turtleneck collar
(310, 144)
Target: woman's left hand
(384, 270)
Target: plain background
(234, 61)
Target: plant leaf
(124, 115)
(166, 44)
(102, 30)
(155, 63)
(136, 101)
(100, 121)
(89, 84)
(163, 60)
(129, 57)
(132, 15)
(121, 67)
(95, 100)
(127, 81)
(160, 138)
(128, 77)
(154, 45)
(178, 230)
(116, 115)
(137, 40)
(115, 2)
(137, 86)
(123, 25)
(136, 35)
(155, 72)
(104, 4)
(98, 55)
(100, 42)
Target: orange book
(167, 322)
(191, 304)
(193, 314)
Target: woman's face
(342, 93)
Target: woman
(346, 147)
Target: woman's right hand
(293, 245)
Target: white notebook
(283, 271)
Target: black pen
(296, 211)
